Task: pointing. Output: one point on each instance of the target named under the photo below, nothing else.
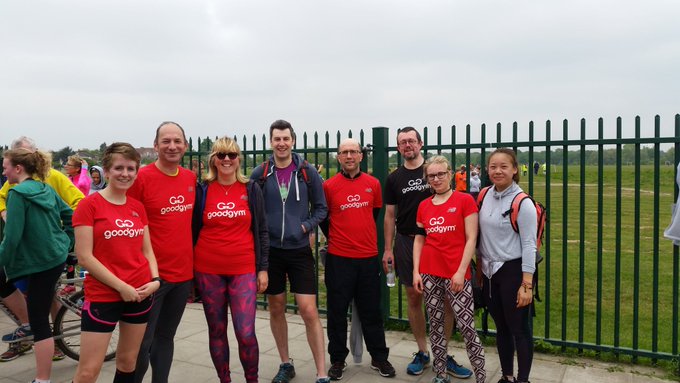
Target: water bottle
(390, 277)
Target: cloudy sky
(83, 72)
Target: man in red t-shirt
(167, 191)
(352, 266)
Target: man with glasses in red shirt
(352, 266)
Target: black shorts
(403, 258)
(103, 316)
(297, 265)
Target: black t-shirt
(406, 188)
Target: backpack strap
(481, 195)
(514, 209)
(263, 177)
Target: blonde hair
(224, 145)
(35, 163)
(439, 160)
(75, 160)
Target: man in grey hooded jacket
(295, 205)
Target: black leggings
(6, 287)
(513, 325)
(40, 295)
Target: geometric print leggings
(238, 293)
(436, 289)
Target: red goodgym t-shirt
(352, 232)
(118, 238)
(225, 244)
(445, 228)
(169, 202)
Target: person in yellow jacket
(10, 295)
(59, 182)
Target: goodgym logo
(226, 209)
(125, 229)
(415, 185)
(353, 201)
(176, 205)
(437, 226)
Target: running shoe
(384, 368)
(335, 372)
(20, 334)
(456, 370)
(15, 350)
(420, 360)
(285, 374)
(58, 354)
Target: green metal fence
(609, 282)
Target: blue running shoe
(285, 374)
(20, 334)
(456, 370)
(420, 360)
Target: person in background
(404, 190)
(98, 180)
(475, 184)
(76, 169)
(442, 251)
(19, 339)
(461, 179)
(167, 191)
(113, 244)
(507, 260)
(295, 205)
(352, 265)
(34, 210)
(231, 256)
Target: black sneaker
(384, 368)
(285, 374)
(335, 372)
(503, 380)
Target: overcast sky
(83, 72)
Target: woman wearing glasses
(441, 257)
(231, 256)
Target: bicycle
(66, 327)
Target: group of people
(236, 237)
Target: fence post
(380, 170)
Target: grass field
(573, 260)
(567, 268)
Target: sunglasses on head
(221, 156)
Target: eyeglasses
(221, 156)
(407, 142)
(439, 175)
(348, 153)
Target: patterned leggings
(435, 289)
(238, 293)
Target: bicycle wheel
(67, 329)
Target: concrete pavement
(193, 364)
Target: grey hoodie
(285, 218)
(498, 242)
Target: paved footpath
(193, 364)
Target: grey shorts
(403, 258)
